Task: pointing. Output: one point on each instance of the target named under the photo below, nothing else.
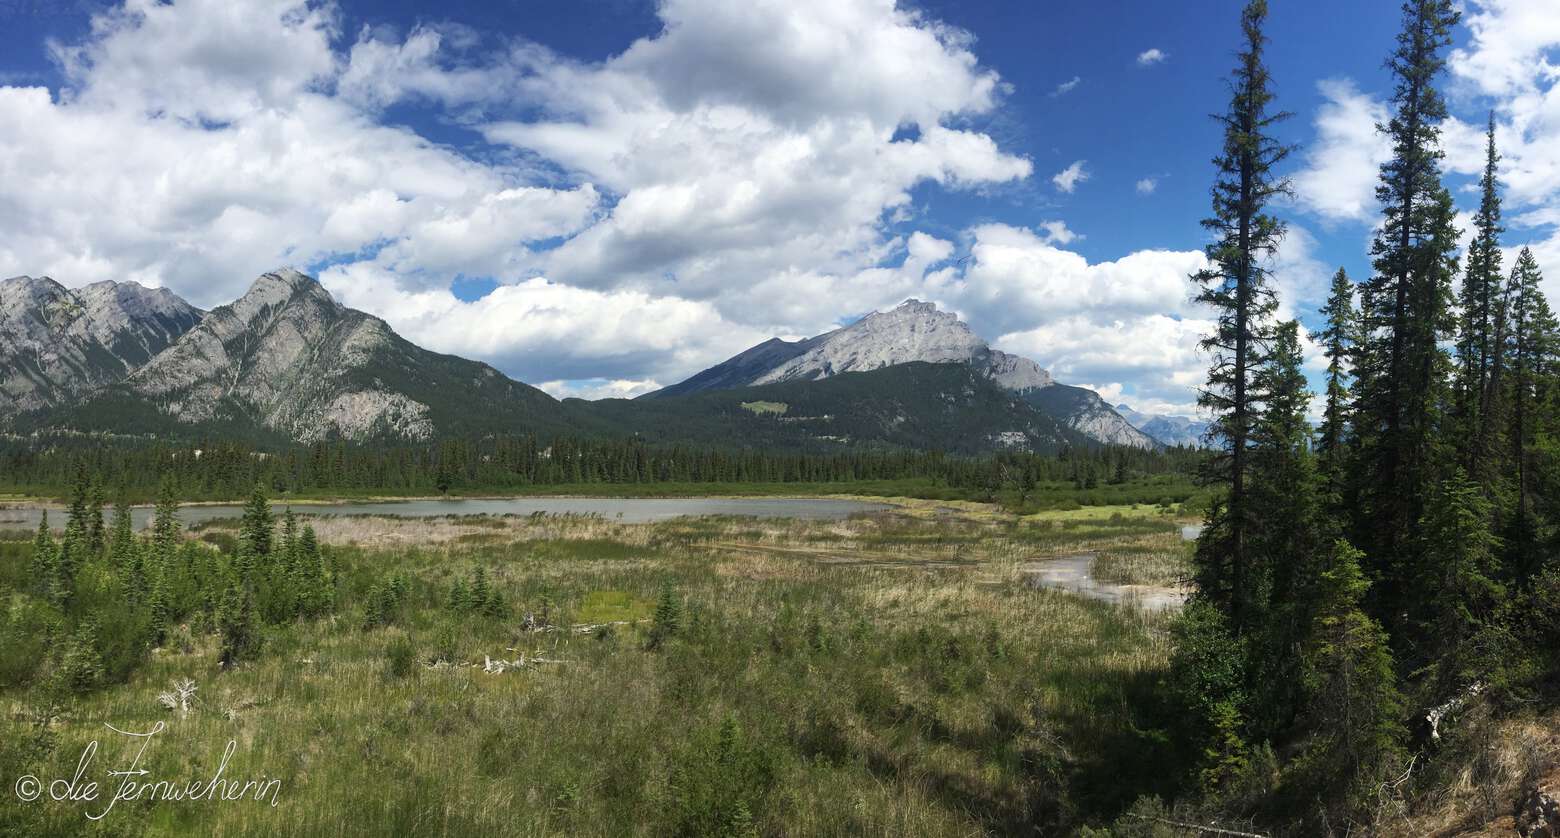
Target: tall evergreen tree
(1289, 535)
(1533, 346)
(1464, 591)
(254, 533)
(1477, 336)
(97, 537)
(165, 523)
(1236, 286)
(45, 569)
(1339, 339)
(1400, 384)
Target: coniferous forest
(1360, 586)
(1341, 618)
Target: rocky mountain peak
(912, 331)
(57, 343)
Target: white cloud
(1056, 233)
(1338, 181)
(600, 388)
(734, 177)
(230, 137)
(1066, 87)
(1150, 57)
(1068, 179)
(1507, 64)
(1147, 185)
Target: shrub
(399, 657)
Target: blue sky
(602, 196)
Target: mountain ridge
(914, 331)
(58, 344)
(286, 361)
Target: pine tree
(1477, 333)
(80, 665)
(478, 596)
(1404, 308)
(1533, 345)
(1338, 344)
(1236, 287)
(1288, 537)
(45, 569)
(74, 546)
(97, 538)
(1462, 571)
(165, 523)
(667, 619)
(124, 552)
(1352, 702)
(236, 624)
(254, 534)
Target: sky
(601, 197)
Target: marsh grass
(919, 689)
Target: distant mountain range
(1169, 430)
(286, 362)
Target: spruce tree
(1289, 535)
(1352, 706)
(236, 624)
(1236, 286)
(1338, 345)
(165, 523)
(45, 569)
(1477, 335)
(254, 534)
(124, 552)
(97, 539)
(1404, 308)
(667, 619)
(1462, 576)
(1533, 345)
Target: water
(1075, 574)
(624, 510)
(1190, 532)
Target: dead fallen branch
(1199, 828)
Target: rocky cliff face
(287, 357)
(58, 344)
(916, 331)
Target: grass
(1165, 491)
(890, 674)
(761, 408)
(1165, 562)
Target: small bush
(399, 658)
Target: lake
(625, 510)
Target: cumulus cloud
(1056, 232)
(1147, 185)
(1338, 180)
(1506, 65)
(1068, 179)
(1150, 57)
(742, 173)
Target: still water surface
(626, 510)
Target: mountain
(287, 361)
(914, 331)
(1168, 430)
(945, 406)
(58, 344)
